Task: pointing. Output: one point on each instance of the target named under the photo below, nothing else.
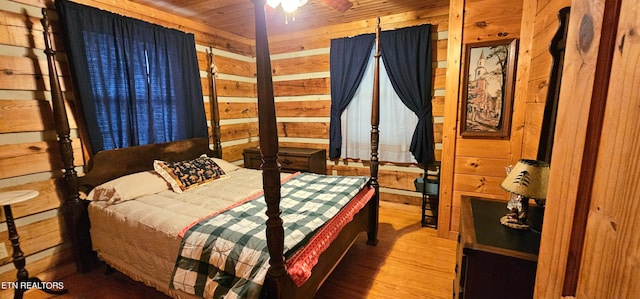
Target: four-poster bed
(108, 165)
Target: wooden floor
(408, 262)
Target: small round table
(24, 281)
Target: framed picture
(487, 93)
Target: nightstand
(24, 282)
(291, 159)
(494, 261)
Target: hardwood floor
(409, 262)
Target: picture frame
(488, 88)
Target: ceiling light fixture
(289, 7)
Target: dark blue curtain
(348, 60)
(406, 54)
(138, 83)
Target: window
(396, 127)
(137, 83)
(406, 59)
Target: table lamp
(528, 179)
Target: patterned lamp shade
(528, 178)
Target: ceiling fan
(291, 5)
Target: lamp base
(508, 221)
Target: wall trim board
(449, 134)
(219, 52)
(302, 53)
(300, 76)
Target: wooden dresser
(291, 159)
(494, 261)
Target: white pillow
(226, 166)
(129, 187)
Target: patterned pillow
(185, 175)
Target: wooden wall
(29, 156)
(590, 237)
(538, 70)
(474, 166)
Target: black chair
(429, 186)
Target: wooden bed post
(375, 133)
(75, 213)
(213, 103)
(268, 132)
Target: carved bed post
(268, 133)
(76, 220)
(375, 121)
(213, 103)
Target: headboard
(140, 158)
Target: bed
(147, 253)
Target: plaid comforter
(226, 255)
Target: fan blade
(339, 5)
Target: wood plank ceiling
(236, 16)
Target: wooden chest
(291, 159)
